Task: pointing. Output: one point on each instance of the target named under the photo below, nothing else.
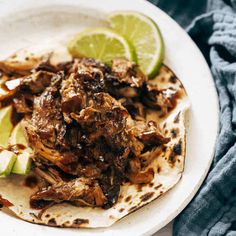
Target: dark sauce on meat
(31, 181)
(16, 117)
(4, 202)
(16, 148)
(4, 87)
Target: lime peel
(144, 34)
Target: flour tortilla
(168, 167)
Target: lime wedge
(5, 125)
(145, 36)
(102, 44)
(18, 136)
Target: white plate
(26, 22)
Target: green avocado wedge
(22, 163)
(5, 125)
(7, 160)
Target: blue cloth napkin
(213, 210)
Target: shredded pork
(87, 124)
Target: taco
(104, 139)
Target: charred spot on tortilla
(158, 186)
(52, 222)
(35, 216)
(173, 79)
(176, 120)
(146, 196)
(127, 199)
(79, 222)
(172, 158)
(178, 148)
(121, 210)
(112, 217)
(98, 143)
(174, 132)
(177, 151)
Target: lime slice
(145, 36)
(5, 125)
(102, 44)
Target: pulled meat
(87, 124)
(128, 72)
(47, 116)
(162, 99)
(37, 81)
(23, 103)
(80, 192)
(78, 88)
(125, 79)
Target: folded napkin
(213, 210)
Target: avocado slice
(22, 164)
(18, 136)
(23, 161)
(5, 125)
(7, 160)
